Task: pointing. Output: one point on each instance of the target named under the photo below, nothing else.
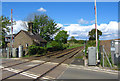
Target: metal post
(11, 40)
(103, 56)
(84, 48)
(96, 30)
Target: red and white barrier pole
(96, 29)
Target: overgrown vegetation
(57, 45)
(106, 63)
(33, 49)
(89, 43)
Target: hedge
(33, 49)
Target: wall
(22, 39)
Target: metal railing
(104, 53)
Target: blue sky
(69, 15)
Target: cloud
(18, 26)
(110, 30)
(82, 21)
(41, 10)
(59, 25)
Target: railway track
(68, 55)
(47, 55)
(30, 57)
(61, 54)
(42, 75)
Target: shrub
(65, 46)
(57, 45)
(33, 49)
(40, 50)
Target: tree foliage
(92, 34)
(61, 37)
(73, 40)
(4, 22)
(43, 25)
(56, 45)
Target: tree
(92, 34)
(61, 37)
(4, 22)
(73, 40)
(43, 25)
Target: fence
(3, 52)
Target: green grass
(3, 57)
(119, 66)
(75, 45)
(26, 56)
(79, 57)
(70, 46)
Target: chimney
(30, 27)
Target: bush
(91, 43)
(33, 49)
(65, 46)
(41, 50)
(57, 45)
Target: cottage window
(26, 44)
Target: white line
(28, 74)
(93, 69)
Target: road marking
(28, 74)
(93, 69)
(32, 65)
(39, 61)
(49, 62)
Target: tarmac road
(75, 73)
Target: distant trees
(61, 37)
(43, 25)
(73, 40)
(92, 34)
(4, 22)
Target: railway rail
(47, 55)
(61, 54)
(67, 56)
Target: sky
(75, 17)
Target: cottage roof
(36, 38)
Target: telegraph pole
(11, 41)
(96, 30)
